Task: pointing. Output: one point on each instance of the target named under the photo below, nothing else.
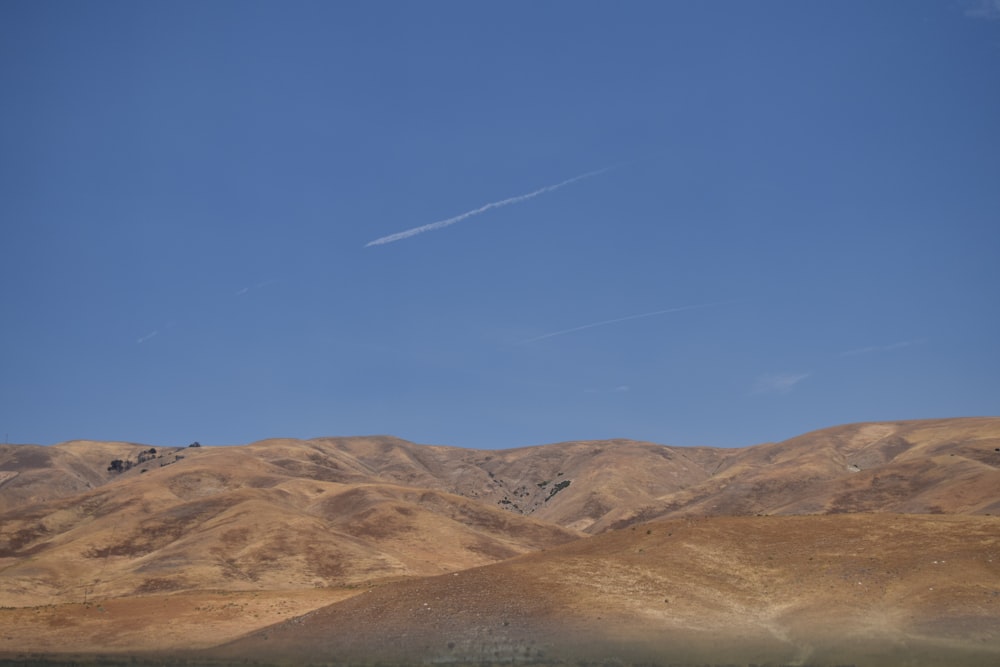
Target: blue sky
(795, 221)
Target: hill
(864, 589)
(99, 541)
(34, 474)
(262, 517)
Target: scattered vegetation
(524, 499)
(509, 504)
(146, 455)
(557, 488)
(123, 465)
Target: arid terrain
(863, 544)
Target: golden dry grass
(196, 547)
(781, 590)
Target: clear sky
(696, 223)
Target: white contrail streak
(619, 319)
(399, 236)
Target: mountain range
(858, 543)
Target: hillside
(228, 540)
(864, 589)
(232, 519)
(34, 474)
(931, 467)
(918, 466)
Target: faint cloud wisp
(602, 323)
(777, 383)
(143, 339)
(399, 236)
(984, 9)
(243, 291)
(881, 348)
(619, 389)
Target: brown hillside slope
(924, 466)
(229, 519)
(589, 485)
(287, 525)
(33, 473)
(328, 512)
(929, 466)
(821, 590)
(581, 485)
(947, 466)
(610, 477)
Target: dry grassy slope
(158, 622)
(926, 466)
(581, 485)
(609, 475)
(588, 485)
(946, 466)
(950, 466)
(281, 516)
(289, 513)
(33, 473)
(229, 519)
(844, 589)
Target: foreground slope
(865, 589)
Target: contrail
(399, 236)
(882, 348)
(621, 319)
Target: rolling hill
(226, 541)
(837, 589)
